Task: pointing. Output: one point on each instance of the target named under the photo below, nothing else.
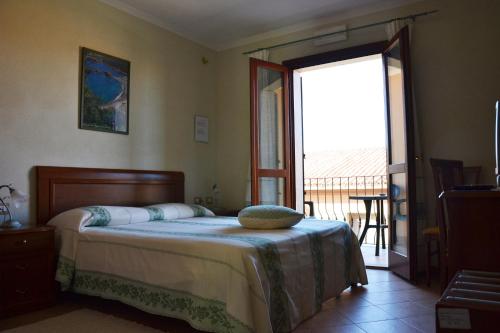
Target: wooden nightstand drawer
(27, 282)
(26, 269)
(20, 293)
(26, 242)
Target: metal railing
(328, 197)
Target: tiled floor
(387, 304)
(371, 259)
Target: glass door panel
(400, 157)
(396, 101)
(271, 118)
(270, 131)
(399, 235)
(272, 191)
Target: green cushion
(268, 217)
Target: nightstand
(26, 269)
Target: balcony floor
(370, 259)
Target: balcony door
(270, 134)
(276, 138)
(400, 157)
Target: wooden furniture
(61, 188)
(470, 303)
(446, 174)
(379, 220)
(26, 269)
(472, 220)
(219, 211)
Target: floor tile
(395, 285)
(379, 275)
(427, 303)
(339, 329)
(388, 326)
(355, 291)
(369, 257)
(421, 295)
(327, 318)
(388, 297)
(425, 323)
(346, 302)
(406, 309)
(367, 313)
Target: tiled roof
(346, 163)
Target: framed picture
(201, 129)
(104, 92)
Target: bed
(206, 270)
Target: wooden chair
(472, 174)
(446, 175)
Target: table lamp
(16, 199)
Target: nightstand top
(26, 229)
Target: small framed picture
(201, 129)
(104, 92)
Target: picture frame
(201, 129)
(104, 92)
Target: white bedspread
(212, 272)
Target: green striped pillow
(172, 211)
(269, 217)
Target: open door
(271, 162)
(400, 157)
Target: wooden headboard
(63, 188)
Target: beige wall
(39, 66)
(456, 70)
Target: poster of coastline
(104, 92)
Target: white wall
(39, 88)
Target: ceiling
(222, 24)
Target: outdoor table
(379, 202)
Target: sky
(343, 105)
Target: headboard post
(63, 188)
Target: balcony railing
(328, 197)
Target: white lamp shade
(17, 198)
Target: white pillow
(268, 217)
(116, 215)
(73, 219)
(94, 216)
(172, 211)
(104, 215)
